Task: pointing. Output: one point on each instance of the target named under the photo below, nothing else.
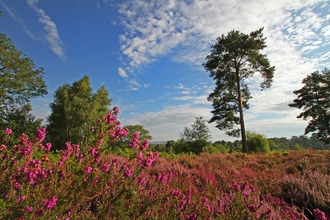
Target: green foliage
(20, 81)
(272, 145)
(314, 99)
(222, 148)
(257, 143)
(169, 146)
(143, 133)
(123, 144)
(234, 58)
(194, 139)
(199, 131)
(21, 121)
(74, 110)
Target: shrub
(257, 143)
(309, 191)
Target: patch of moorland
(88, 182)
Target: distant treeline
(275, 144)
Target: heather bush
(89, 182)
(79, 184)
(308, 191)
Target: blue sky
(149, 53)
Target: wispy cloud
(52, 36)
(16, 17)
(98, 6)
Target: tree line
(233, 58)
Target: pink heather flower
(23, 139)
(149, 162)
(92, 128)
(49, 204)
(115, 110)
(88, 169)
(40, 212)
(40, 135)
(128, 172)
(319, 215)
(60, 162)
(252, 207)
(9, 131)
(235, 186)
(16, 185)
(135, 141)
(20, 198)
(106, 167)
(161, 178)
(3, 147)
(69, 147)
(99, 143)
(77, 149)
(92, 151)
(25, 148)
(139, 158)
(28, 209)
(144, 145)
(120, 133)
(192, 216)
(110, 118)
(70, 212)
(97, 158)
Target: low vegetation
(89, 182)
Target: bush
(257, 143)
(309, 191)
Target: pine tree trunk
(241, 115)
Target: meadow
(89, 182)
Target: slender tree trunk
(241, 115)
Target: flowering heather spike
(48, 146)
(69, 147)
(3, 147)
(9, 131)
(135, 141)
(49, 204)
(24, 139)
(40, 135)
(319, 215)
(115, 110)
(235, 186)
(128, 172)
(106, 167)
(88, 169)
(144, 145)
(28, 209)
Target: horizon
(149, 55)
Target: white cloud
(52, 36)
(297, 39)
(169, 122)
(122, 72)
(161, 27)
